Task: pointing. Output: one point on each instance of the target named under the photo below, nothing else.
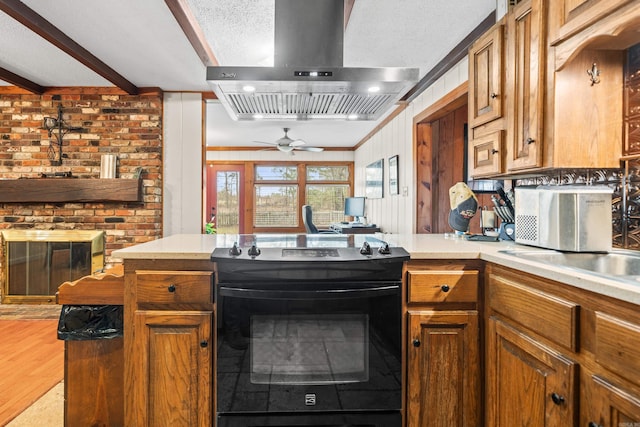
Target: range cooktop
(304, 257)
(304, 248)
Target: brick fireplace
(111, 122)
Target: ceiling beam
(20, 81)
(193, 31)
(45, 29)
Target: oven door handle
(333, 294)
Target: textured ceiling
(142, 41)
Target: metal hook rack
(56, 127)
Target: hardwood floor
(31, 357)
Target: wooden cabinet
(486, 100)
(608, 405)
(529, 383)
(170, 345)
(443, 346)
(554, 114)
(174, 354)
(558, 355)
(525, 65)
(443, 364)
(575, 15)
(485, 77)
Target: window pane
(327, 173)
(276, 173)
(327, 202)
(276, 206)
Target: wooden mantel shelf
(60, 190)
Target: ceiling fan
(287, 145)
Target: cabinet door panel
(174, 357)
(575, 15)
(485, 153)
(443, 359)
(528, 384)
(485, 73)
(526, 59)
(610, 405)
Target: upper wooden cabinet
(486, 100)
(554, 115)
(485, 77)
(579, 22)
(526, 57)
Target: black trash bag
(90, 322)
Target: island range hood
(308, 81)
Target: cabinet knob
(445, 288)
(204, 343)
(557, 399)
(171, 288)
(494, 151)
(593, 424)
(416, 342)
(494, 95)
(530, 140)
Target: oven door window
(309, 349)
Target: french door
(225, 198)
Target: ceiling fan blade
(297, 143)
(263, 142)
(314, 149)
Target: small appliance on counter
(564, 218)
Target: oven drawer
(174, 286)
(442, 286)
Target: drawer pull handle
(204, 343)
(557, 399)
(593, 424)
(416, 342)
(171, 288)
(445, 288)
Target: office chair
(307, 219)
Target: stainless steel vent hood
(308, 81)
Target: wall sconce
(56, 127)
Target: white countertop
(419, 246)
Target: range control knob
(384, 249)
(365, 249)
(235, 250)
(253, 251)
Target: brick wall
(112, 123)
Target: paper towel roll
(108, 166)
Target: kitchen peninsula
(572, 334)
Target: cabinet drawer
(548, 315)
(617, 344)
(443, 286)
(174, 286)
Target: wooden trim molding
(443, 106)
